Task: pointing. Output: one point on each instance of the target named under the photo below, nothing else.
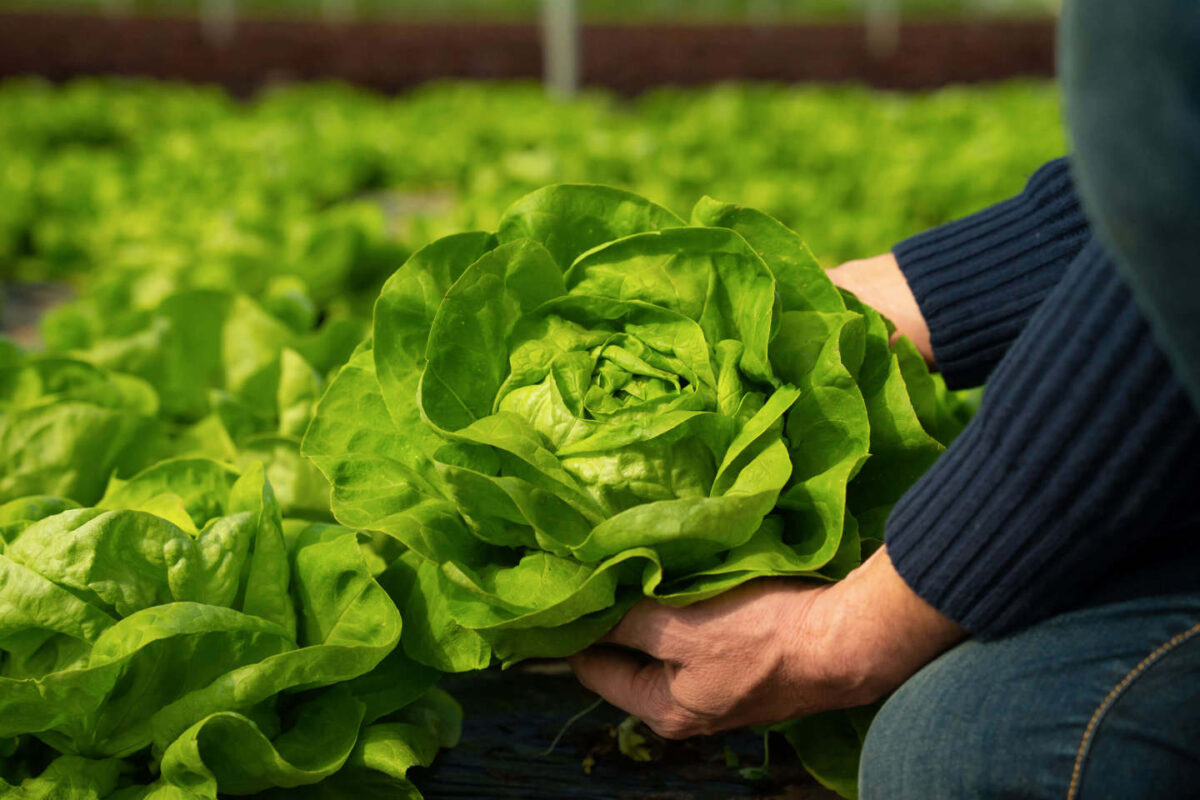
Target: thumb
(634, 685)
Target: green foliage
(522, 432)
(829, 745)
(175, 630)
(156, 188)
(206, 372)
(68, 424)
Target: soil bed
(513, 716)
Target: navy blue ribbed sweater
(1080, 470)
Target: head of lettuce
(602, 402)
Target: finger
(649, 627)
(630, 683)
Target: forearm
(872, 632)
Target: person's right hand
(879, 283)
(770, 650)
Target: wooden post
(116, 8)
(560, 48)
(339, 10)
(882, 18)
(218, 20)
(764, 12)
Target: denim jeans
(1102, 702)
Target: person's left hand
(767, 651)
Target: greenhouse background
(200, 201)
(612, 10)
(628, 47)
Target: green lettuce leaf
(66, 426)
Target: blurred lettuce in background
(170, 187)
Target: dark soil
(512, 717)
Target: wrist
(871, 632)
(879, 282)
(826, 663)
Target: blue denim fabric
(1098, 703)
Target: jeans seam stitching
(1111, 698)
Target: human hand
(768, 651)
(879, 283)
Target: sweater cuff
(979, 279)
(1084, 455)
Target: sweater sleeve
(1084, 457)
(978, 280)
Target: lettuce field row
(136, 176)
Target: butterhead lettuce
(602, 402)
